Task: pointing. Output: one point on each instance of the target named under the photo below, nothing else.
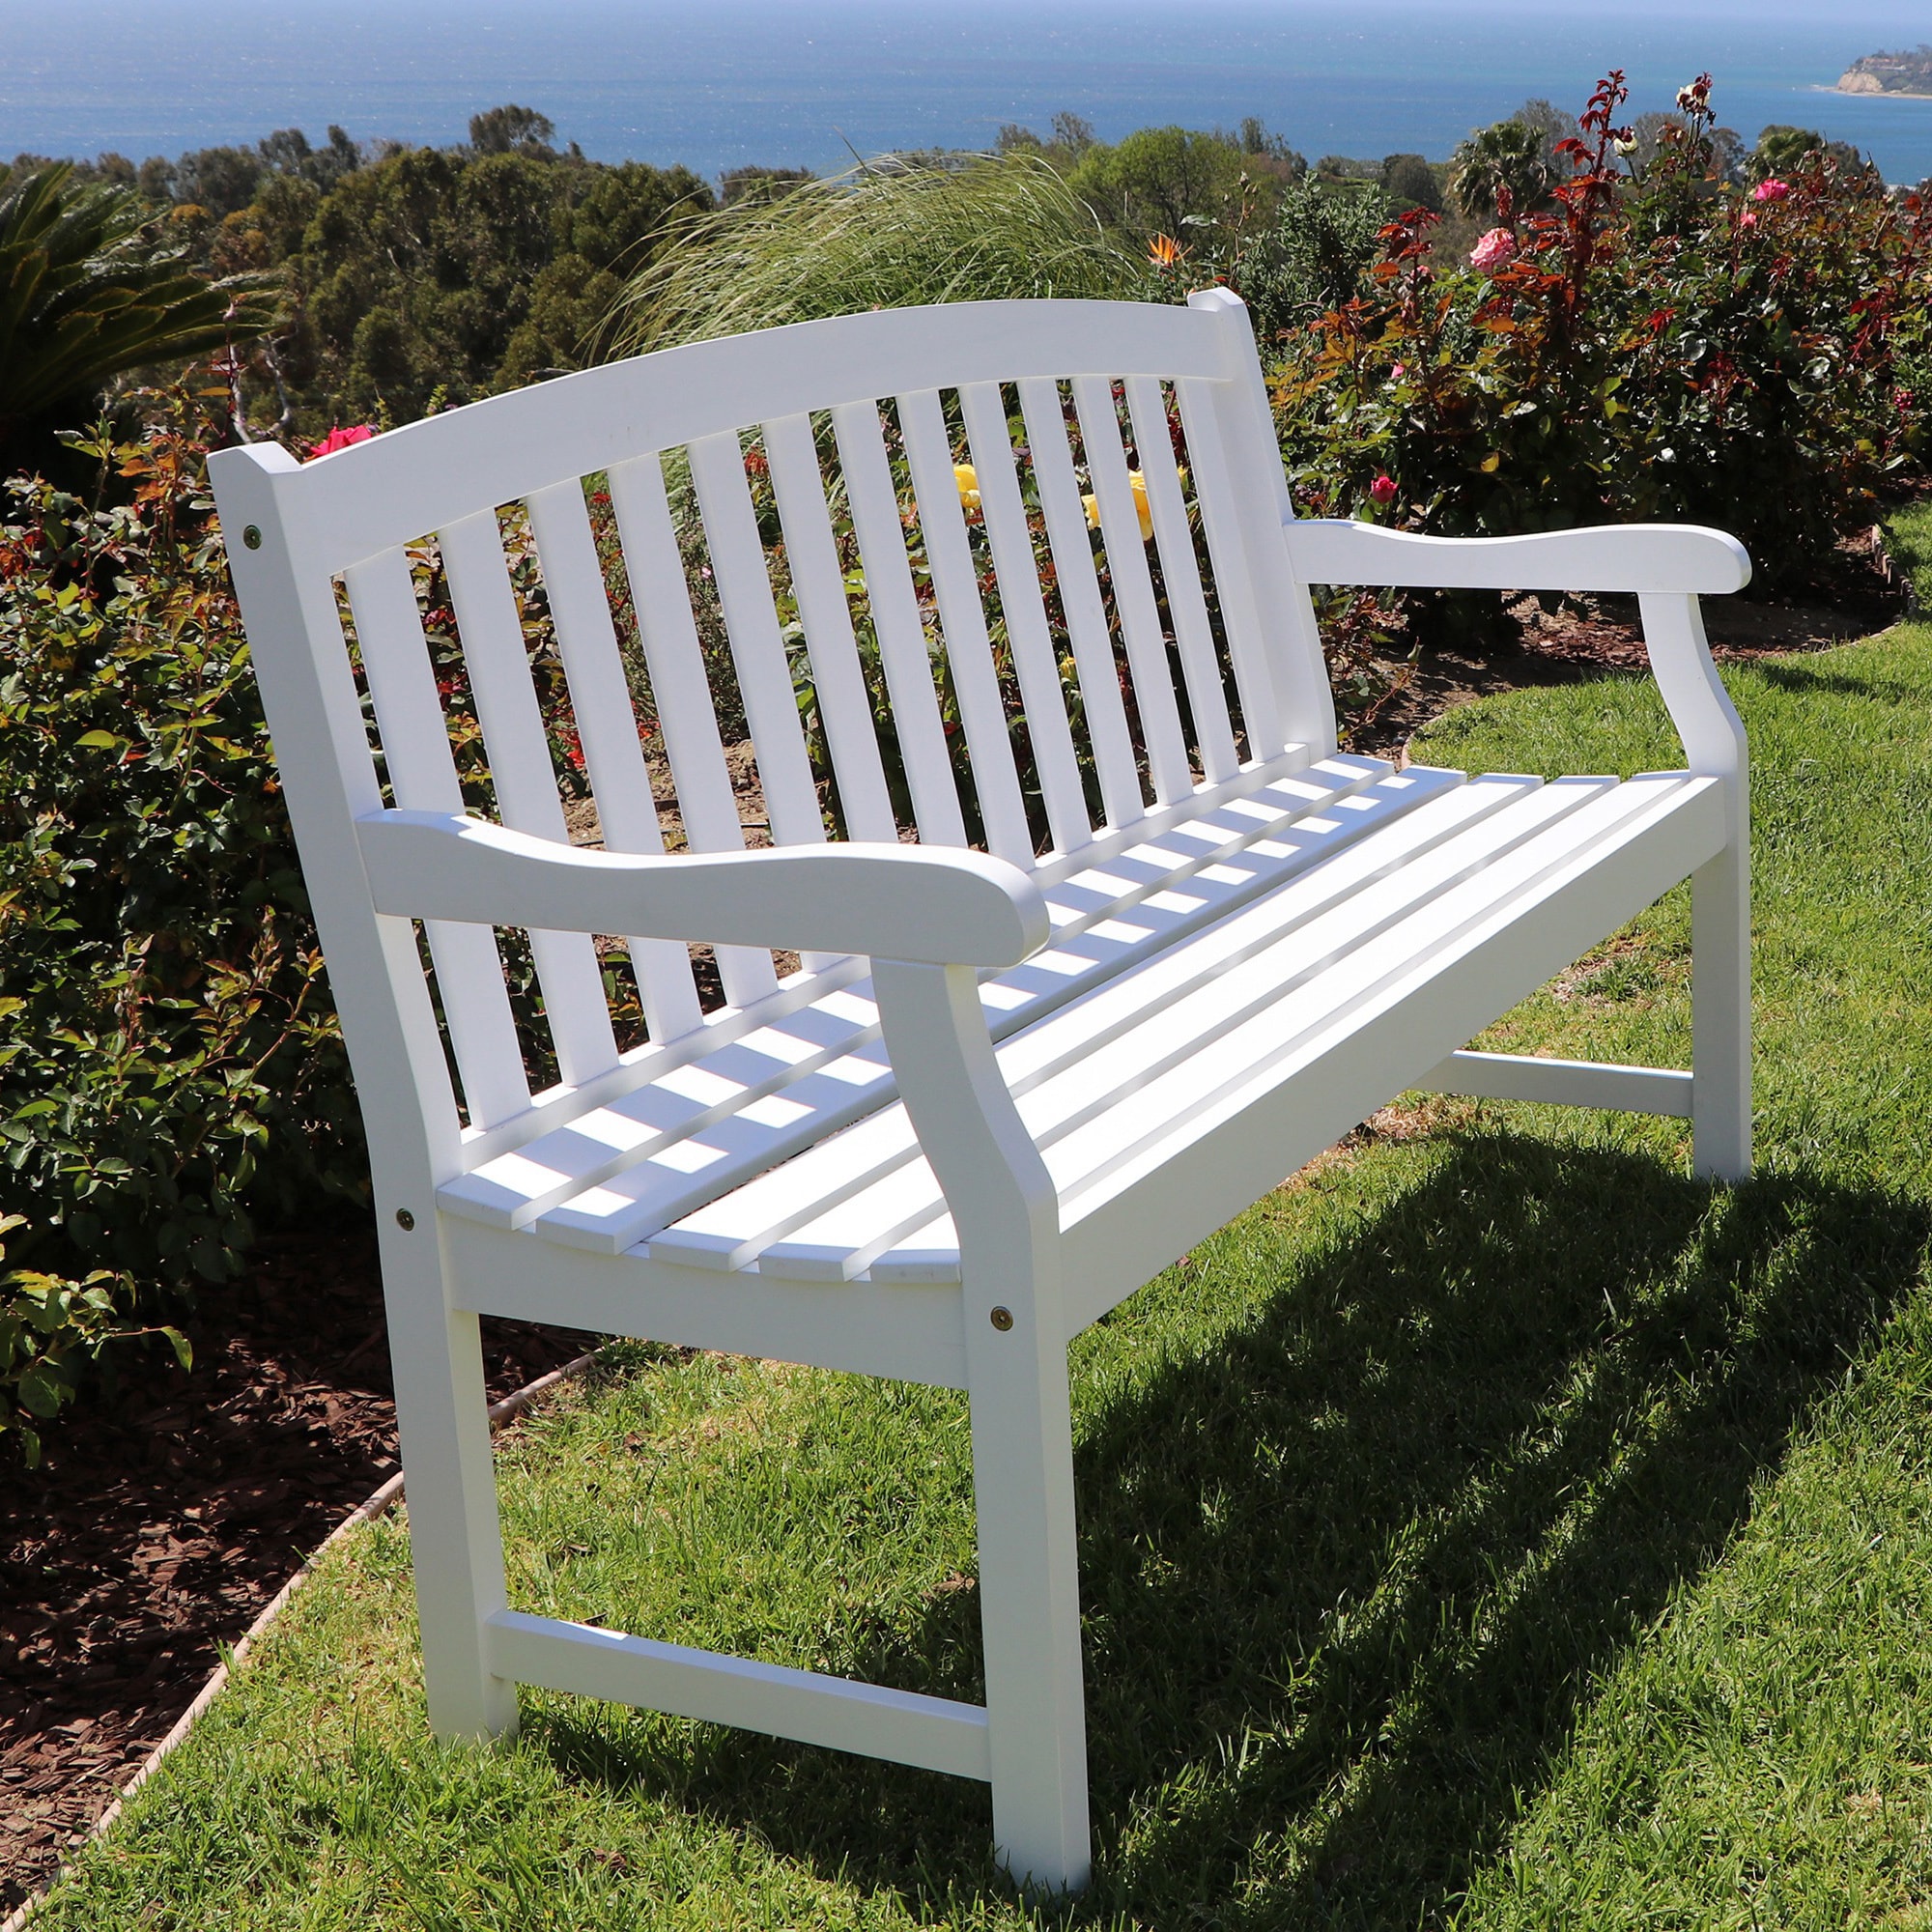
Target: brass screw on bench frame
(1003, 1319)
(252, 536)
(405, 1220)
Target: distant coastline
(1899, 77)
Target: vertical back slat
(423, 777)
(843, 701)
(1133, 589)
(758, 647)
(1240, 616)
(606, 727)
(1181, 572)
(681, 691)
(895, 618)
(491, 629)
(1024, 609)
(1080, 601)
(963, 619)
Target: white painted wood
(843, 701)
(1018, 1085)
(907, 1332)
(962, 618)
(1181, 572)
(681, 691)
(1721, 994)
(896, 623)
(616, 1184)
(1648, 558)
(1105, 714)
(1244, 430)
(422, 777)
(1133, 589)
(607, 726)
(1003, 1199)
(902, 1726)
(1561, 1083)
(490, 629)
(1021, 604)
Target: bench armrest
(1683, 558)
(938, 905)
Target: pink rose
(1771, 190)
(341, 438)
(1400, 370)
(1748, 218)
(1383, 490)
(1495, 248)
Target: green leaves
(89, 290)
(169, 1061)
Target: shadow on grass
(1350, 1567)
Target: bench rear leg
(1721, 1014)
(1030, 1601)
(455, 1540)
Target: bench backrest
(874, 527)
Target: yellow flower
(967, 480)
(1138, 484)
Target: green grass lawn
(1493, 1528)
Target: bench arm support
(1668, 566)
(936, 905)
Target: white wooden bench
(1003, 1088)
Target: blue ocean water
(716, 83)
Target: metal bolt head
(251, 535)
(1003, 1319)
(405, 1220)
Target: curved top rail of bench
(396, 486)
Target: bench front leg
(1720, 991)
(1007, 1214)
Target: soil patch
(165, 1516)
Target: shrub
(1667, 346)
(51, 1331)
(168, 1055)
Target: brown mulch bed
(165, 1518)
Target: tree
(1409, 181)
(1162, 181)
(1320, 256)
(91, 294)
(1506, 158)
(1782, 151)
(513, 130)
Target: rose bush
(1660, 344)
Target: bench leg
(1030, 1603)
(1721, 1015)
(442, 1417)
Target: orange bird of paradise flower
(1165, 252)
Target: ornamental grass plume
(888, 233)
